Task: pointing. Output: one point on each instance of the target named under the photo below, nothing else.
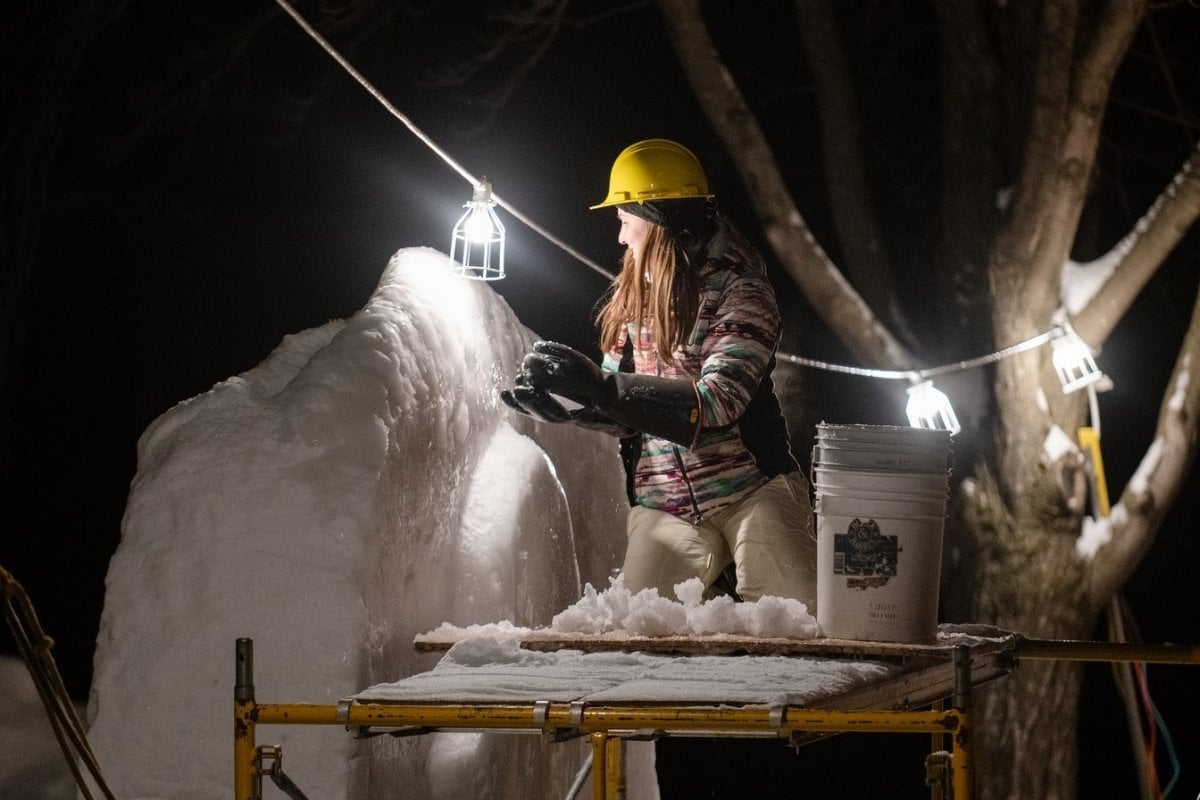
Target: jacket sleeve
(611, 360)
(738, 345)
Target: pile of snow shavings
(619, 613)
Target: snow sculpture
(361, 485)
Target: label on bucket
(877, 576)
(865, 555)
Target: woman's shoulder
(730, 253)
(723, 275)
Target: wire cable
(916, 375)
(432, 145)
(1155, 723)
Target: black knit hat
(687, 218)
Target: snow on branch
(1067, 118)
(1098, 294)
(1138, 515)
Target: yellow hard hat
(654, 169)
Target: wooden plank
(734, 645)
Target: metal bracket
(937, 775)
(541, 714)
(270, 762)
(777, 714)
(541, 711)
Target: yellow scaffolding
(930, 675)
(925, 679)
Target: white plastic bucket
(843, 481)
(898, 460)
(881, 496)
(912, 438)
(882, 448)
(878, 576)
(878, 504)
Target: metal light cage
(1074, 363)
(930, 408)
(477, 243)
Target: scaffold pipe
(1072, 650)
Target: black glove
(664, 407)
(556, 368)
(534, 402)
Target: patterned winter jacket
(742, 439)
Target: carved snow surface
(362, 484)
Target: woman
(689, 331)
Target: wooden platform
(723, 669)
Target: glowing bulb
(477, 241)
(930, 408)
(479, 226)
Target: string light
(930, 408)
(477, 241)
(1074, 363)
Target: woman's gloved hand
(561, 370)
(541, 406)
(660, 406)
(533, 402)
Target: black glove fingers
(540, 370)
(540, 405)
(511, 401)
(555, 349)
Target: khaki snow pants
(768, 535)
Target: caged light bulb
(1074, 363)
(930, 408)
(477, 242)
(479, 227)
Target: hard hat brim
(623, 199)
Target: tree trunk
(1013, 564)
(1024, 93)
(1021, 755)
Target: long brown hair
(659, 290)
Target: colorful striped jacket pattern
(726, 356)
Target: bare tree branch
(793, 243)
(1037, 185)
(180, 94)
(1059, 157)
(529, 30)
(1090, 85)
(1141, 252)
(866, 261)
(1164, 469)
(972, 173)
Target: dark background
(196, 220)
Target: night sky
(270, 202)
